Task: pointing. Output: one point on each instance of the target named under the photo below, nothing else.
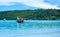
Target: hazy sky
(28, 4)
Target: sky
(28, 4)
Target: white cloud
(33, 3)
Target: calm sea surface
(30, 28)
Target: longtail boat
(20, 20)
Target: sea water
(30, 28)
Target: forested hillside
(38, 14)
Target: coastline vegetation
(37, 14)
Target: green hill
(38, 14)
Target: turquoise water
(30, 28)
(29, 24)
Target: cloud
(32, 3)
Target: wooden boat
(4, 19)
(20, 20)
